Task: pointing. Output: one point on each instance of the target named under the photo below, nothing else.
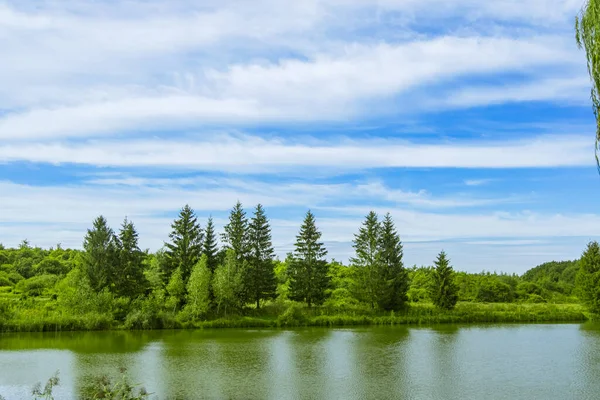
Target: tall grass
(294, 315)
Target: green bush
(535, 298)
(293, 316)
(37, 285)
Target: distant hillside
(558, 276)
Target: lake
(545, 361)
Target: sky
(469, 121)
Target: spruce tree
(393, 275)
(443, 289)
(185, 247)
(259, 276)
(307, 267)
(100, 256)
(209, 247)
(131, 281)
(367, 260)
(588, 277)
(236, 232)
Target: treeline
(200, 274)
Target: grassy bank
(294, 315)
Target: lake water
(558, 361)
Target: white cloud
(477, 182)
(286, 91)
(254, 154)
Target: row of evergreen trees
(200, 276)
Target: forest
(202, 278)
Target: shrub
(37, 285)
(292, 316)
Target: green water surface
(553, 361)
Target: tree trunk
(257, 303)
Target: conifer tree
(210, 250)
(307, 267)
(443, 289)
(393, 275)
(236, 232)
(259, 277)
(367, 260)
(185, 247)
(100, 256)
(209, 247)
(588, 277)
(198, 288)
(131, 281)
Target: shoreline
(418, 314)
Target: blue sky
(468, 121)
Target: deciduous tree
(588, 277)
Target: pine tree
(131, 281)
(198, 288)
(100, 257)
(185, 247)
(392, 273)
(443, 289)
(307, 267)
(259, 279)
(228, 283)
(588, 277)
(236, 232)
(367, 261)
(209, 247)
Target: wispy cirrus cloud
(254, 154)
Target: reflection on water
(445, 362)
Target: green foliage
(209, 248)
(185, 248)
(176, 290)
(282, 278)
(307, 269)
(492, 290)
(228, 283)
(37, 285)
(588, 278)
(419, 279)
(100, 257)
(105, 387)
(367, 260)
(292, 316)
(259, 278)
(392, 274)
(46, 393)
(131, 281)
(587, 25)
(198, 289)
(50, 265)
(443, 289)
(236, 235)
(149, 313)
